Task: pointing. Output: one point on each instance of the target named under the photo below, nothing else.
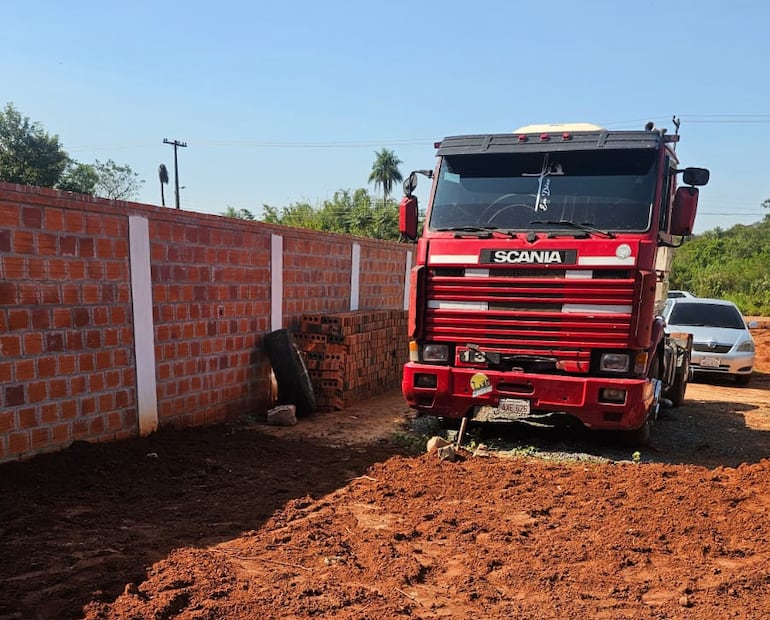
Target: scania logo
(529, 257)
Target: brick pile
(352, 356)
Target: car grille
(705, 348)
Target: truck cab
(542, 266)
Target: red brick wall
(67, 356)
(316, 274)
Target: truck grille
(561, 314)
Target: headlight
(435, 353)
(614, 362)
(746, 346)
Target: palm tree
(163, 176)
(385, 172)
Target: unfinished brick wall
(68, 351)
(66, 365)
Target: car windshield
(711, 315)
(608, 190)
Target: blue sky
(287, 101)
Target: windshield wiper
(585, 226)
(486, 231)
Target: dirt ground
(336, 517)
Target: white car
(677, 294)
(722, 342)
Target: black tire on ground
(640, 437)
(677, 391)
(743, 380)
(294, 386)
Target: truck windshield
(609, 190)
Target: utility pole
(176, 144)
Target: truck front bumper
(458, 391)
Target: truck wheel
(640, 437)
(676, 393)
(294, 386)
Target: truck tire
(640, 437)
(294, 386)
(677, 391)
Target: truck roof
(553, 141)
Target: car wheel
(743, 380)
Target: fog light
(424, 380)
(612, 395)
(614, 362)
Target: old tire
(294, 386)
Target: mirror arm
(411, 182)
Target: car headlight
(435, 353)
(614, 362)
(747, 346)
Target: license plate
(517, 407)
(508, 409)
(710, 362)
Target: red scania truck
(541, 271)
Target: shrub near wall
(68, 351)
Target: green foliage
(351, 213)
(80, 178)
(730, 264)
(116, 182)
(28, 155)
(240, 214)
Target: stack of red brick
(352, 356)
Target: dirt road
(332, 518)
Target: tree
(28, 155)
(116, 182)
(240, 214)
(385, 172)
(79, 178)
(350, 213)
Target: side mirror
(695, 176)
(683, 211)
(407, 216)
(410, 184)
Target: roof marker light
(522, 137)
(566, 136)
(544, 137)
